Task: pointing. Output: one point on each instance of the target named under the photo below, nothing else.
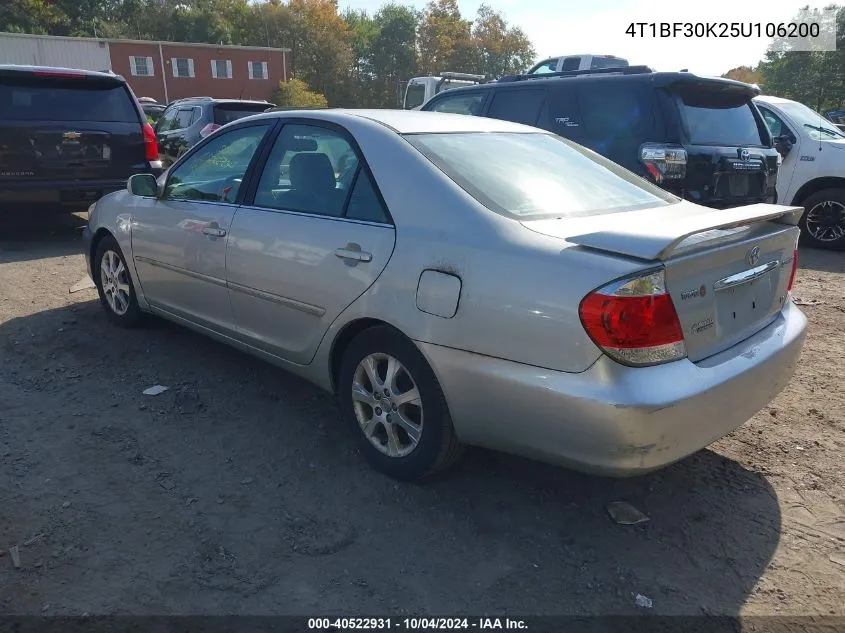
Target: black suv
(68, 137)
(701, 138)
(185, 122)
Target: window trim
(250, 189)
(133, 66)
(215, 74)
(265, 69)
(248, 174)
(174, 64)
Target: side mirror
(144, 185)
(783, 144)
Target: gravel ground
(237, 491)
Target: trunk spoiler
(661, 241)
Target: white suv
(813, 171)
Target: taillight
(208, 129)
(794, 269)
(664, 162)
(634, 321)
(150, 144)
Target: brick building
(162, 70)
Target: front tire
(390, 395)
(823, 222)
(114, 284)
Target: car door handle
(214, 231)
(358, 256)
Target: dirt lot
(237, 491)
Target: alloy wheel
(826, 221)
(387, 404)
(115, 282)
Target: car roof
(623, 74)
(411, 121)
(223, 101)
(32, 70)
(771, 99)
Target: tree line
(349, 58)
(815, 78)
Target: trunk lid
(67, 128)
(727, 271)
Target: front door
(314, 239)
(778, 127)
(179, 239)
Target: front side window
(214, 172)
(773, 122)
(459, 104)
(310, 169)
(547, 176)
(546, 67)
(414, 96)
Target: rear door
(517, 105)
(315, 238)
(66, 126)
(171, 133)
(730, 161)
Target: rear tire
(114, 284)
(389, 394)
(823, 222)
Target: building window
(258, 70)
(221, 68)
(182, 66)
(141, 66)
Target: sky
(565, 27)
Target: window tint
(600, 61)
(167, 120)
(548, 67)
(227, 112)
(519, 106)
(184, 117)
(310, 169)
(773, 121)
(459, 104)
(29, 98)
(547, 176)
(215, 171)
(364, 203)
(414, 96)
(571, 63)
(615, 112)
(712, 118)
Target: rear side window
(519, 106)
(615, 112)
(30, 98)
(571, 63)
(226, 113)
(712, 118)
(185, 117)
(459, 104)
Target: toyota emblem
(744, 154)
(752, 256)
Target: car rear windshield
(714, 118)
(531, 176)
(226, 113)
(32, 98)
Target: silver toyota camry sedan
(463, 281)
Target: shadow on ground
(26, 236)
(821, 260)
(237, 491)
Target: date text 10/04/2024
(417, 624)
(724, 29)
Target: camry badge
(752, 256)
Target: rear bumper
(612, 419)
